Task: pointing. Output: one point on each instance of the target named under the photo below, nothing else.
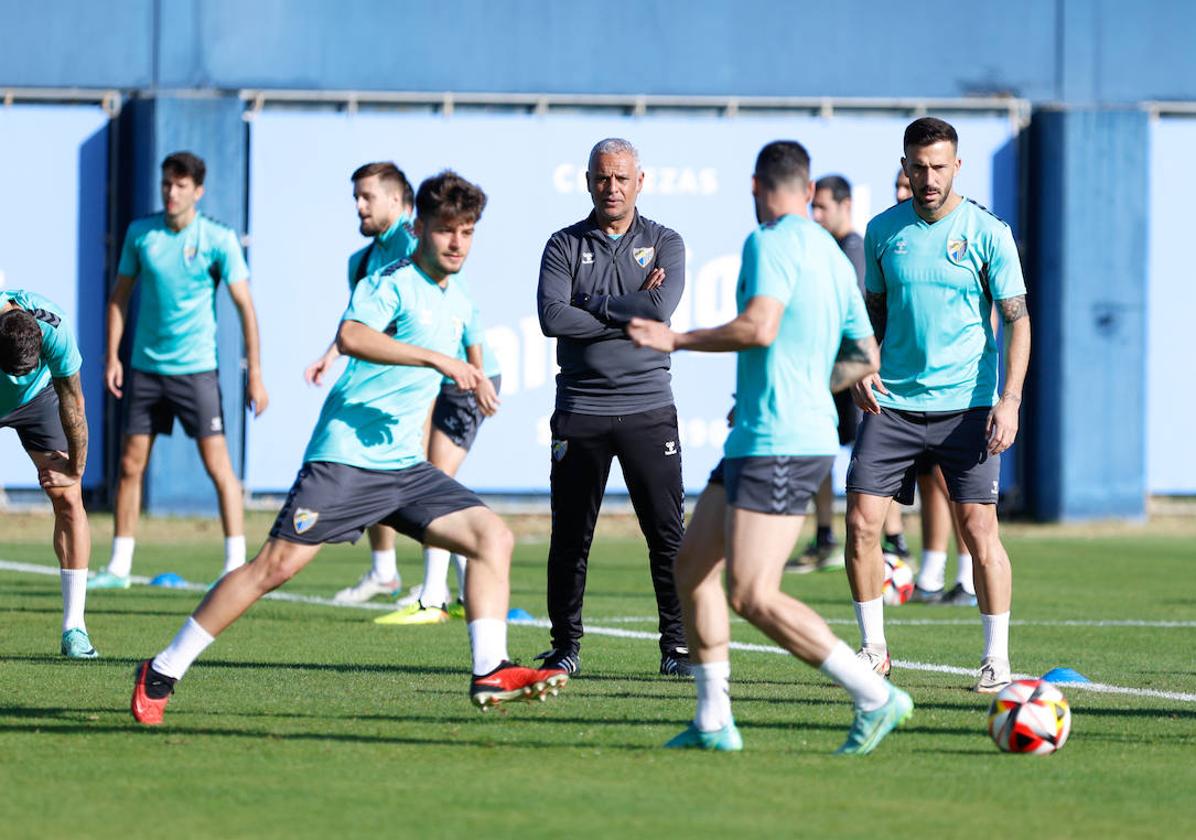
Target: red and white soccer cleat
(514, 682)
(147, 708)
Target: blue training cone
(1065, 675)
(518, 614)
(168, 580)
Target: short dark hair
(928, 131)
(185, 165)
(388, 173)
(783, 162)
(449, 196)
(20, 342)
(839, 186)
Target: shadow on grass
(338, 668)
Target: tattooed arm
(1003, 419)
(64, 472)
(858, 357)
(877, 304)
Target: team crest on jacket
(643, 256)
(559, 448)
(304, 519)
(957, 249)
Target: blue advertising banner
(1171, 298)
(303, 226)
(53, 207)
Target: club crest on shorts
(643, 256)
(957, 249)
(559, 448)
(304, 519)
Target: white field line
(620, 633)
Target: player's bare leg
(865, 574)
(134, 458)
(993, 576)
(480, 534)
(72, 545)
(213, 451)
(698, 572)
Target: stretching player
(935, 265)
(179, 256)
(365, 463)
(801, 325)
(42, 400)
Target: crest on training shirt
(559, 448)
(957, 249)
(189, 254)
(643, 256)
(304, 519)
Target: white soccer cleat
(876, 660)
(994, 675)
(412, 596)
(367, 588)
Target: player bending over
(364, 463)
(801, 325)
(41, 398)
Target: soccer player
(832, 210)
(365, 464)
(801, 326)
(41, 398)
(935, 265)
(179, 257)
(613, 399)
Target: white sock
(714, 695)
(934, 570)
(234, 553)
(121, 561)
(996, 635)
(188, 644)
(866, 687)
(435, 592)
(385, 568)
(964, 576)
(459, 563)
(870, 615)
(488, 640)
(74, 596)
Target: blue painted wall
(1081, 51)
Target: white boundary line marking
(620, 633)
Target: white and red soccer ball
(1031, 717)
(899, 581)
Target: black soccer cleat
(560, 660)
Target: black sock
(897, 543)
(825, 536)
(158, 685)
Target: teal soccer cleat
(107, 580)
(726, 739)
(76, 645)
(869, 728)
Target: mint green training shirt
(374, 415)
(396, 243)
(939, 351)
(59, 357)
(783, 402)
(177, 272)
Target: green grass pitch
(311, 721)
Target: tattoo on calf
(1013, 309)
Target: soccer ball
(899, 581)
(1029, 716)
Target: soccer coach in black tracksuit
(612, 398)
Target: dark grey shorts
(780, 485)
(456, 413)
(37, 423)
(153, 400)
(336, 502)
(893, 446)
